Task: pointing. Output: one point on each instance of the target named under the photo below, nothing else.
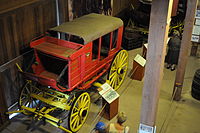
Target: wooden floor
(172, 117)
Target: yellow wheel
(25, 99)
(118, 69)
(79, 111)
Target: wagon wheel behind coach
(25, 99)
(79, 111)
(118, 69)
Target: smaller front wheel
(118, 69)
(79, 112)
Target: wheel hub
(120, 71)
(83, 113)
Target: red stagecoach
(71, 58)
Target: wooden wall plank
(7, 38)
(3, 107)
(10, 5)
(63, 6)
(15, 35)
(22, 24)
(120, 5)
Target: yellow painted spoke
(114, 86)
(124, 60)
(123, 55)
(118, 80)
(122, 76)
(77, 122)
(113, 68)
(117, 62)
(86, 108)
(74, 123)
(85, 99)
(81, 120)
(114, 73)
(75, 108)
(123, 65)
(74, 114)
(73, 120)
(86, 103)
(80, 102)
(113, 79)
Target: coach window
(114, 39)
(105, 45)
(95, 49)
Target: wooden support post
(185, 46)
(158, 34)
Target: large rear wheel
(79, 111)
(118, 69)
(25, 99)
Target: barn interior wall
(120, 5)
(20, 22)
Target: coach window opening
(105, 46)
(114, 39)
(95, 49)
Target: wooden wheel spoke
(113, 68)
(25, 103)
(74, 114)
(79, 103)
(112, 79)
(113, 74)
(121, 76)
(117, 62)
(35, 102)
(124, 64)
(123, 60)
(86, 103)
(74, 119)
(78, 122)
(23, 94)
(118, 80)
(28, 91)
(75, 108)
(85, 108)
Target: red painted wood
(82, 70)
(175, 7)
